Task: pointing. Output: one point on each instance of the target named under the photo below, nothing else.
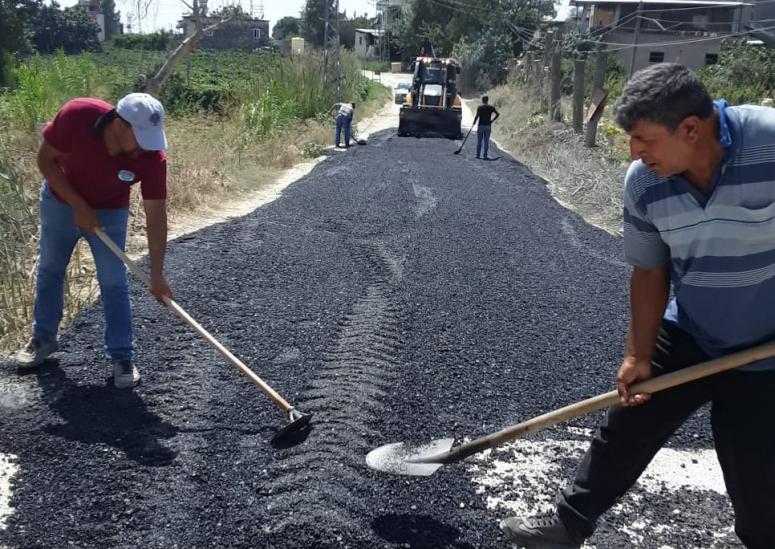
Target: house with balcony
(238, 34)
(679, 31)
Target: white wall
(691, 55)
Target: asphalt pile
(400, 293)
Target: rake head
(297, 428)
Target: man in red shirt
(90, 156)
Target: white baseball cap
(146, 116)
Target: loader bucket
(430, 122)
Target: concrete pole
(601, 64)
(578, 94)
(338, 56)
(638, 20)
(555, 110)
(326, 22)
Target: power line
(462, 7)
(680, 42)
(706, 7)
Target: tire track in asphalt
(326, 473)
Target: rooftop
(665, 2)
(373, 32)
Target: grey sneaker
(125, 375)
(33, 354)
(544, 532)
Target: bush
(312, 149)
(376, 66)
(744, 73)
(179, 97)
(6, 69)
(155, 41)
(44, 83)
(265, 91)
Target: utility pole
(578, 93)
(555, 90)
(326, 24)
(331, 50)
(638, 20)
(601, 64)
(337, 56)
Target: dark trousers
(343, 123)
(743, 421)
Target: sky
(164, 14)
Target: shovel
(464, 141)
(423, 460)
(297, 422)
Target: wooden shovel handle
(606, 400)
(180, 312)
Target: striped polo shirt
(720, 246)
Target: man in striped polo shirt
(699, 214)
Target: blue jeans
(343, 122)
(483, 140)
(58, 237)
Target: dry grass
(210, 166)
(19, 185)
(589, 181)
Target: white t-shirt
(345, 109)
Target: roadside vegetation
(235, 121)
(590, 181)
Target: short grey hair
(664, 93)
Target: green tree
(347, 28)
(70, 30)
(14, 37)
(484, 35)
(313, 21)
(744, 73)
(286, 28)
(112, 18)
(233, 11)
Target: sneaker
(477, 156)
(545, 532)
(34, 353)
(125, 375)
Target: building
(680, 31)
(237, 34)
(297, 45)
(367, 42)
(94, 12)
(762, 19)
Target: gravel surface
(398, 292)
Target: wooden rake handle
(606, 400)
(180, 312)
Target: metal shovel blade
(400, 458)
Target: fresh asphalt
(398, 292)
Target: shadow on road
(417, 531)
(101, 414)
